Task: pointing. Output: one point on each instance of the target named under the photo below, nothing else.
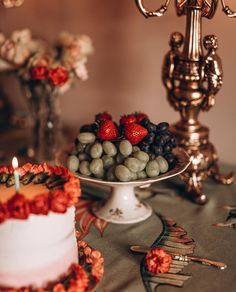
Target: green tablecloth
(122, 268)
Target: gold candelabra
(192, 79)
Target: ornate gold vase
(192, 79)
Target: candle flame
(14, 162)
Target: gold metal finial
(159, 12)
(230, 13)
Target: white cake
(37, 250)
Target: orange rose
(40, 204)
(59, 201)
(18, 207)
(39, 73)
(58, 76)
(81, 280)
(158, 261)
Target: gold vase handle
(230, 13)
(159, 12)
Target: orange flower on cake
(59, 201)
(3, 212)
(40, 204)
(158, 261)
(18, 207)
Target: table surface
(122, 268)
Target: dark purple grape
(168, 148)
(159, 141)
(161, 127)
(166, 136)
(94, 127)
(86, 128)
(158, 150)
(173, 141)
(150, 138)
(144, 146)
(144, 123)
(171, 159)
(151, 127)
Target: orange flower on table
(18, 207)
(81, 280)
(58, 76)
(158, 261)
(3, 212)
(40, 204)
(39, 73)
(97, 262)
(59, 201)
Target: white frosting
(28, 247)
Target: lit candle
(16, 174)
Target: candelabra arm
(226, 9)
(159, 12)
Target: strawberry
(140, 117)
(103, 116)
(135, 133)
(108, 131)
(127, 119)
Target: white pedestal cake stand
(122, 206)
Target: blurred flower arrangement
(44, 73)
(12, 3)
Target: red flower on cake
(80, 281)
(58, 76)
(39, 73)
(59, 288)
(72, 188)
(18, 207)
(40, 204)
(4, 169)
(3, 212)
(59, 201)
(158, 261)
(61, 171)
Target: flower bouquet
(45, 72)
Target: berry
(158, 150)
(159, 141)
(86, 128)
(161, 127)
(144, 122)
(103, 116)
(140, 117)
(108, 131)
(144, 146)
(135, 133)
(168, 148)
(127, 120)
(150, 138)
(94, 127)
(170, 159)
(151, 127)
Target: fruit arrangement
(134, 149)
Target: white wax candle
(16, 174)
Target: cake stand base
(122, 207)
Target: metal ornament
(192, 79)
